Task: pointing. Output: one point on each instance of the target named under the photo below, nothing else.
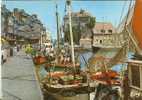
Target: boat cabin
(135, 77)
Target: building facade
(79, 22)
(105, 36)
(18, 24)
(86, 42)
(6, 20)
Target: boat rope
(85, 61)
(129, 9)
(122, 12)
(88, 82)
(126, 27)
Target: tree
(76, 34)
(90, 25)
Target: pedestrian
(28, 50)
(18, 48)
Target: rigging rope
(122, 12)
(129, 9)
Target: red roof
(103, 25)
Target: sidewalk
(19, 80)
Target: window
(135, 75)
(101, 41)
(102, 31)
(110, 31)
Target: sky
(108, 11)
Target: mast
(71, 34)
(60, 30)
(57, 19)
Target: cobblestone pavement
(19, 81)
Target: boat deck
(91, 84)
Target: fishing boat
(133, 79)
(63, 78)
(110, 77)
(38, 60)
(44, 55)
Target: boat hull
(68, 90)
(39, 60)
